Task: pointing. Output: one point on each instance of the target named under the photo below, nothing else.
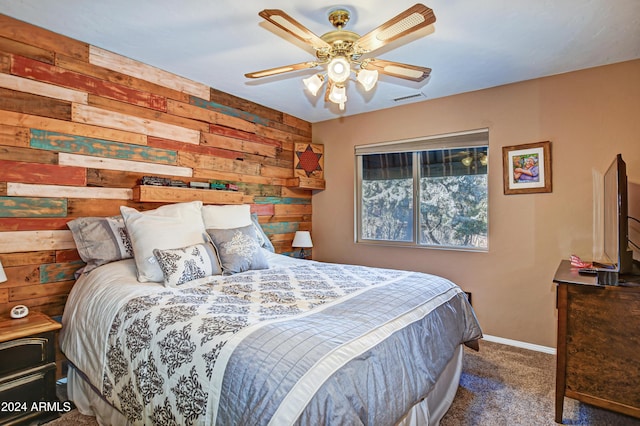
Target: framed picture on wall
(526, 168)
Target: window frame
(467, 139)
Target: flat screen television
(618, 255)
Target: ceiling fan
(345, 51)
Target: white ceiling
(473, 44)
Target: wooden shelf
(306, 183)
(170, 194)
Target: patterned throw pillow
(100, 240)
(186, 264)
(238, 249)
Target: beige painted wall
(589, 116)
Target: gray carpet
(505, 385)
(500, 385)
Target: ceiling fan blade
(287, 23)
(416, 17)
(280, 70)
(396, 69)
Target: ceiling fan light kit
(341, 51)
(368, 78)
(314, 83)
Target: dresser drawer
(19, 391)
(27, 352)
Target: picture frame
(526, 168)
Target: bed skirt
(429, 411)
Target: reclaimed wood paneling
(26, 50)
(36, 70)
(21, 276)
(79, 127)
(56, 272)
(42, 123)
(11, 100)
(188, 147)
(14, 136)
(27, 155)
(236, 177)
(112, 178)
(63, 256)
(18, 241)
(32, 207)
(61, 142)
(239, 145)
(42, 89)
(33, 223)
(25, 293)
(27, 258)
(78, 207)
(124, 165)
(14, 29)
(141, 112)
(102, 117)
(106, 59)
(115, 76)
(18, 171)
(30, 190)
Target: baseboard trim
(519, 344)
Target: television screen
(611, 206)
(616, 228)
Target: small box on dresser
(27, 369)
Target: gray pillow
(100, 240)
(238, 249)
(263, 239)
(181, 265)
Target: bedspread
(305, 344)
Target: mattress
(302, 342)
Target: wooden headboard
(79, 127)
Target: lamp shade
(338, 95)
(313, 83)
(367, 78)
(339, 69)
(3, 276)
(302, 240)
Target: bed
(282, 341)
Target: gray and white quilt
(311, 343)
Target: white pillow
(167, 227)
(226, 217)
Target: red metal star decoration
(309, 161)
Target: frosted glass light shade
(368, 78)
(338, 95)
(313, 83)
(302, 239)
(339, 69)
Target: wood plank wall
(80, 125)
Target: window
(429, 192)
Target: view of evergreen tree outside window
(387, 197)
(452, 197)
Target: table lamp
(302, 240)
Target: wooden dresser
(27, 369)
(598, 359)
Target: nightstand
(27, 369)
